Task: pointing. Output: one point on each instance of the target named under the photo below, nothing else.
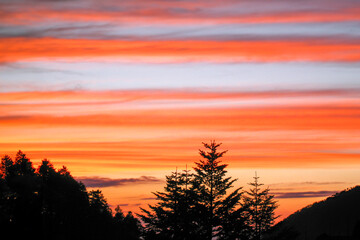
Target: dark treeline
(194, 205)
(50, 204)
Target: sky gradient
(123, 92)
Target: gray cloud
(307, 183)
(323, 183)
(148, 198)
(123, 205)
(126, 204)
(229, 32)
(58, 30)
(25, 68)
(111, 182)
(307, 194)
(12, 117)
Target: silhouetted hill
(337, 217)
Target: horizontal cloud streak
(16, 49)
(109, 75)
(110, 182)
(344, 31)
(184, 109)
(307, 183)
(183, 12)
(169, 95)
(309, 194)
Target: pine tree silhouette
(261, 206)
(214, 205)
(196, 206)
(170, 217)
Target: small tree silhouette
(5, 166)
(261, 209)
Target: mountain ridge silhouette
(337, 217)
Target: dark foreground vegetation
(199, 204)
(45, 203)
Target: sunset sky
(125, 92)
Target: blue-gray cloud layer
(113, 182)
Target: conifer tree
(23, 165)
(214, 205)
(199, 205)
(261, 206)
(170, 217)
(5, 166)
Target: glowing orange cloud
(70, 129)
(127, 96)
(228, 119)
(15, 49)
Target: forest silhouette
(51, 204)
(198, 204)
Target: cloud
(322, 183)
(307, 183)
(24, 68)
(182, 51)
(309, 194)
(125, 205)
(148, 198)
(339, 32)
(112, 182)
(12, 117)
(180, 11)
(56, 30)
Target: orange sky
(120, 134)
